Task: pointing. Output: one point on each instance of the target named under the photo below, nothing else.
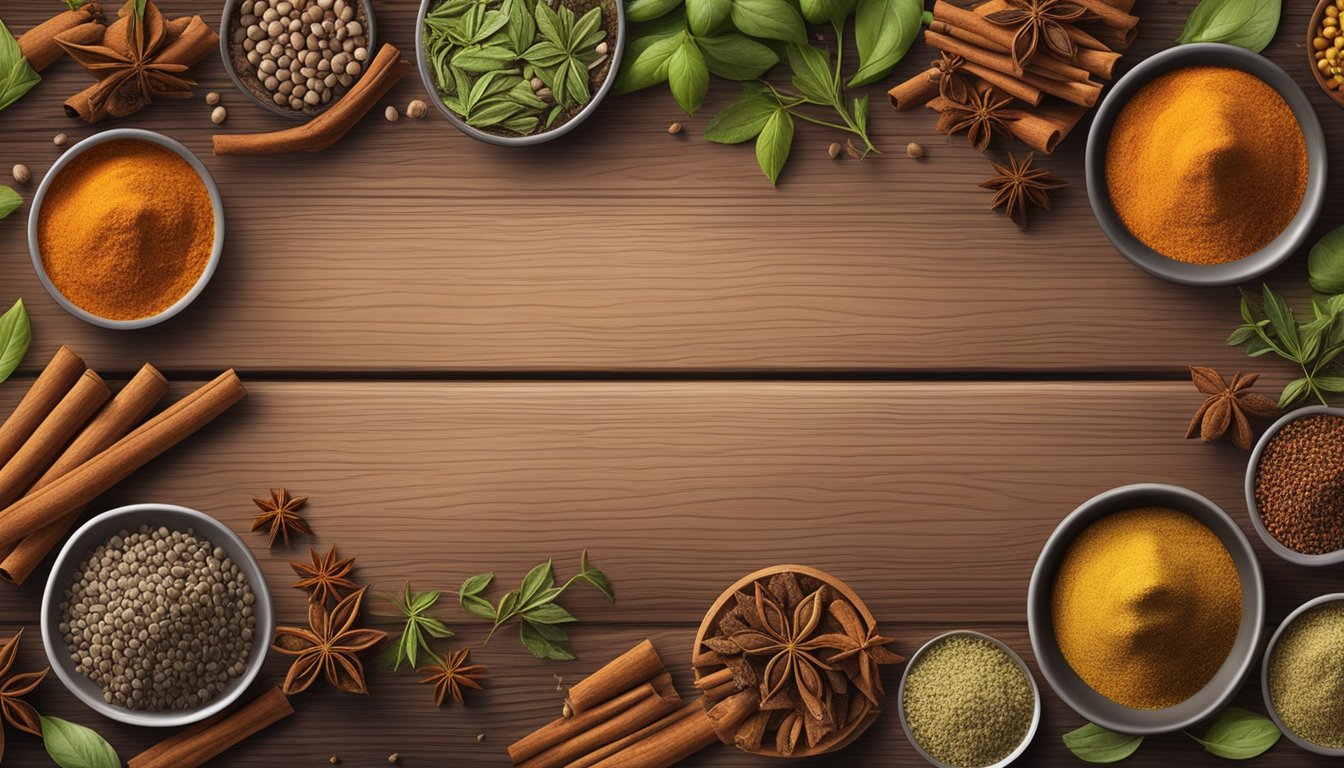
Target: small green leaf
(707, 16)
(861, 112)
(1325, 263)
(1282, 321)
(1246, 23)
(17, 76)
(1094, 744)
(1296, 390)
(595, 577)
(774, 143)
(476, 584)
(883, 32)
(648, 10)
(15, 336)
(734, 56)
(1329, 383)
(769, 19)
(1240, 336)
(539, 578)
(478, 606)
(812, 73)
(71, 745)
(9, 201)
(740, 121)
(549, 614)
(646, 61)
(688, 76)
(1238, 734)
(827, 11)
(541, 646)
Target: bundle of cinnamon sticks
(69, 440)
(1050, 93)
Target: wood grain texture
(931, 500)
(624, 248)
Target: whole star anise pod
(15, 710)
(330, 645)
(327, 577)
(1227, 407)
(280, 514)
(953, 84)
(130, 78)
(982, 115)
(1017, 186)
(452, 675)
(866, 655)
(1037, 21)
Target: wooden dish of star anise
(809, 646)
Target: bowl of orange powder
(1206, 165)
(126, 229)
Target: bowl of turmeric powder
(126, 229)
(1206, 165)
(1145, 609)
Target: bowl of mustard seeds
(1295, 486)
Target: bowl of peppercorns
(1325, 47)
(1295, 486)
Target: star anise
(326, 578)
(329, 646)
(867, 654)
(452, 675)
(1227, 407)
(982, 115)
(1017, 186)
(953, 84)
(280, 514)
(130, 77)
(15, 710)
(1037, 21)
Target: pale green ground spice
(968, 703)
(1306, 676)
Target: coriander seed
(674, 128)
(914, 149)
(21, 174)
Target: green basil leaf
(883, 31)
(494, 21)
(17, 76)
(548, 21)
(1330, 383)
(734, 56)
(549, 614)
(483, 60)
(740, 121)
(539, 578)
(769, 19)
(648, 10)
(508, 604)
(827, 11)
(522, 29)
(646, 60)
(71, 745)
(812, 73)
(588, 25)
(1325, 263)
(706, 16)
(1094, 744)
(1246, 23)
(541, 646)
(774, 143)
(476, 584)
(688, 76)
(1296, 390)
(423, 601)
(478, 606)
(9, 201)
(1238, 734)
(595, 577)
(15, 336)
(541, 598)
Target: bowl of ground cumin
(126, 229)
(1206, 165)
(1145, 609)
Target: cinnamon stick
(619, 675)
(714, 679)
(1109, 15)
(194, 746)
(728, 715)
(1044, 128)
(190, 39)
(668, 746)
(128, 409)
(914, 91)
(38, 45)
(52, 435)
(55, 380)
(997, 57)
(596, 756)
(660, 700)
(1084, 94)
(330, 126)
(1080, 37)
(1005, 83)
(563, 729)
(81, 486)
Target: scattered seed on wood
(60, 139)
(480, 737)
(21, 174)
(852, 150)
(212, 98)
(391, 114)
(394, 758)
(914, 149)
(334, 760)
(674, 128)
(833, 150)
(219, 115)
(416, 109)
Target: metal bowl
(1230, 676)
(1275, 546)
(99, 530)
(1264, 677)
(34, 216)
(1282, 247)
(432, 85)
(1022, 665)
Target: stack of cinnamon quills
(629, 715)
(1050, 93)
(69, 440)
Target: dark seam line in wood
(709, 376)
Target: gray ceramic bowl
(215, 201)
(246, 80)
(99, 530)
(1264, 676)
(432, 86)
(1035, 692)
(1278, 250)
(1291, 555)
(1229, 678)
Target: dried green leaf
(1094, 744)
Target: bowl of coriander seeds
(156, 615)
(296, 57)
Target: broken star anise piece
(982, 115)
(1227, 407)
(280, 514)
(13, 688)
(452, 675)
(130, 77)
(327, 577)
(1018, 186)
(1039, 21)
(953, 84)
(330, 645)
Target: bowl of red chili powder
(126, 229)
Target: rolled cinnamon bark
(598, 755)
(914, 91)
(52, 435)
(75, 489)
(714, 679)
(55, 380)
(997, 57)
(668, 746)
(728, 715)
(660, 700)
(1005, 83)
(1081, 93)
(621, 674)
(1044, 128)
(190, 39)
(1109, 15)
(127, 410)
(563, 729)
(202, 742)
(38, 45)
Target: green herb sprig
(71, 745)
(1246, 23)
(17, 76)
(534, 605)
(15, 336)
(415, 635)
(1315, 345)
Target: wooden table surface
(474, 358)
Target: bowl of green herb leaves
(519, 72)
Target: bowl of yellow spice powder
(1206, 165)
(126, 229)
(1145, 609)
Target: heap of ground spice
(1146, 606)
(126, 229)
(1306, 676)
(1299, 484)
(1206, 165)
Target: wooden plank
(624, 248)
(931, 499)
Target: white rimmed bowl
(1252, 466)
(216, 202)
(96, 532)
(1264, 676)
